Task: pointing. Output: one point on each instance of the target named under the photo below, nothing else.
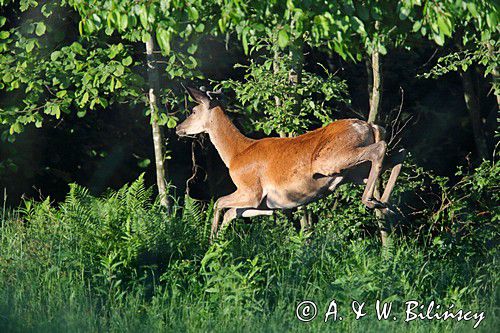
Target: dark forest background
(105, 149)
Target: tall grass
(120, 263)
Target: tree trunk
(376, 86)
(275, 71)
(375, 93)
(153, 80)
(474, 108)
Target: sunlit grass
(120, 263)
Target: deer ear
(199, 96)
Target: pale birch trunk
(153, 82)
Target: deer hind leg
(396, 161)
(238, 199)
(375, 154)
(233, 213)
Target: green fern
(193, 212)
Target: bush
(127, 265)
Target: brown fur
(283, 173)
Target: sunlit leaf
(283, 38)
(163, 38)
(40, 28)
(127, 61)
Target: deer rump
(285, 173)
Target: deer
(276, 173)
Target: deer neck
(226, 138)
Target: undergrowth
(121, 263)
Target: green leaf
(200, 27)
(283, 38)
(3, 19)
(222, 26)
(57, 111)
(444, 26)
(485, 35)
(404, 13)
(144, 163)
(77, 48)
(171, 123)
(95, 101)
(192, 48)
(143, 17)
(15, 128)
(40, 29)
(145, 37)
(4, 34)
(30, 45)
(163, 38)
(112, 84)
(61, 93)
(193, 13)
(86, 78)
(439, 39)
(124, 22)
(472, 9)
(382, 49)
(8, 77)
(85, 98)
(491, 20)
(127, 61)
(119, 70)
(244, 41)
(417, 25)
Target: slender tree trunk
(374, 70)
(276, 68)
(376, 86)
(297, 57)
(153, 80)
(474, 108)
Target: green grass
(120, 263)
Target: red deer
(284, 173)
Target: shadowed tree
(175, 26)
(475, 29)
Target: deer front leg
(238, 199)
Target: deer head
(199, 120)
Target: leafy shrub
(128, 265)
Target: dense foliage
(127, 265)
